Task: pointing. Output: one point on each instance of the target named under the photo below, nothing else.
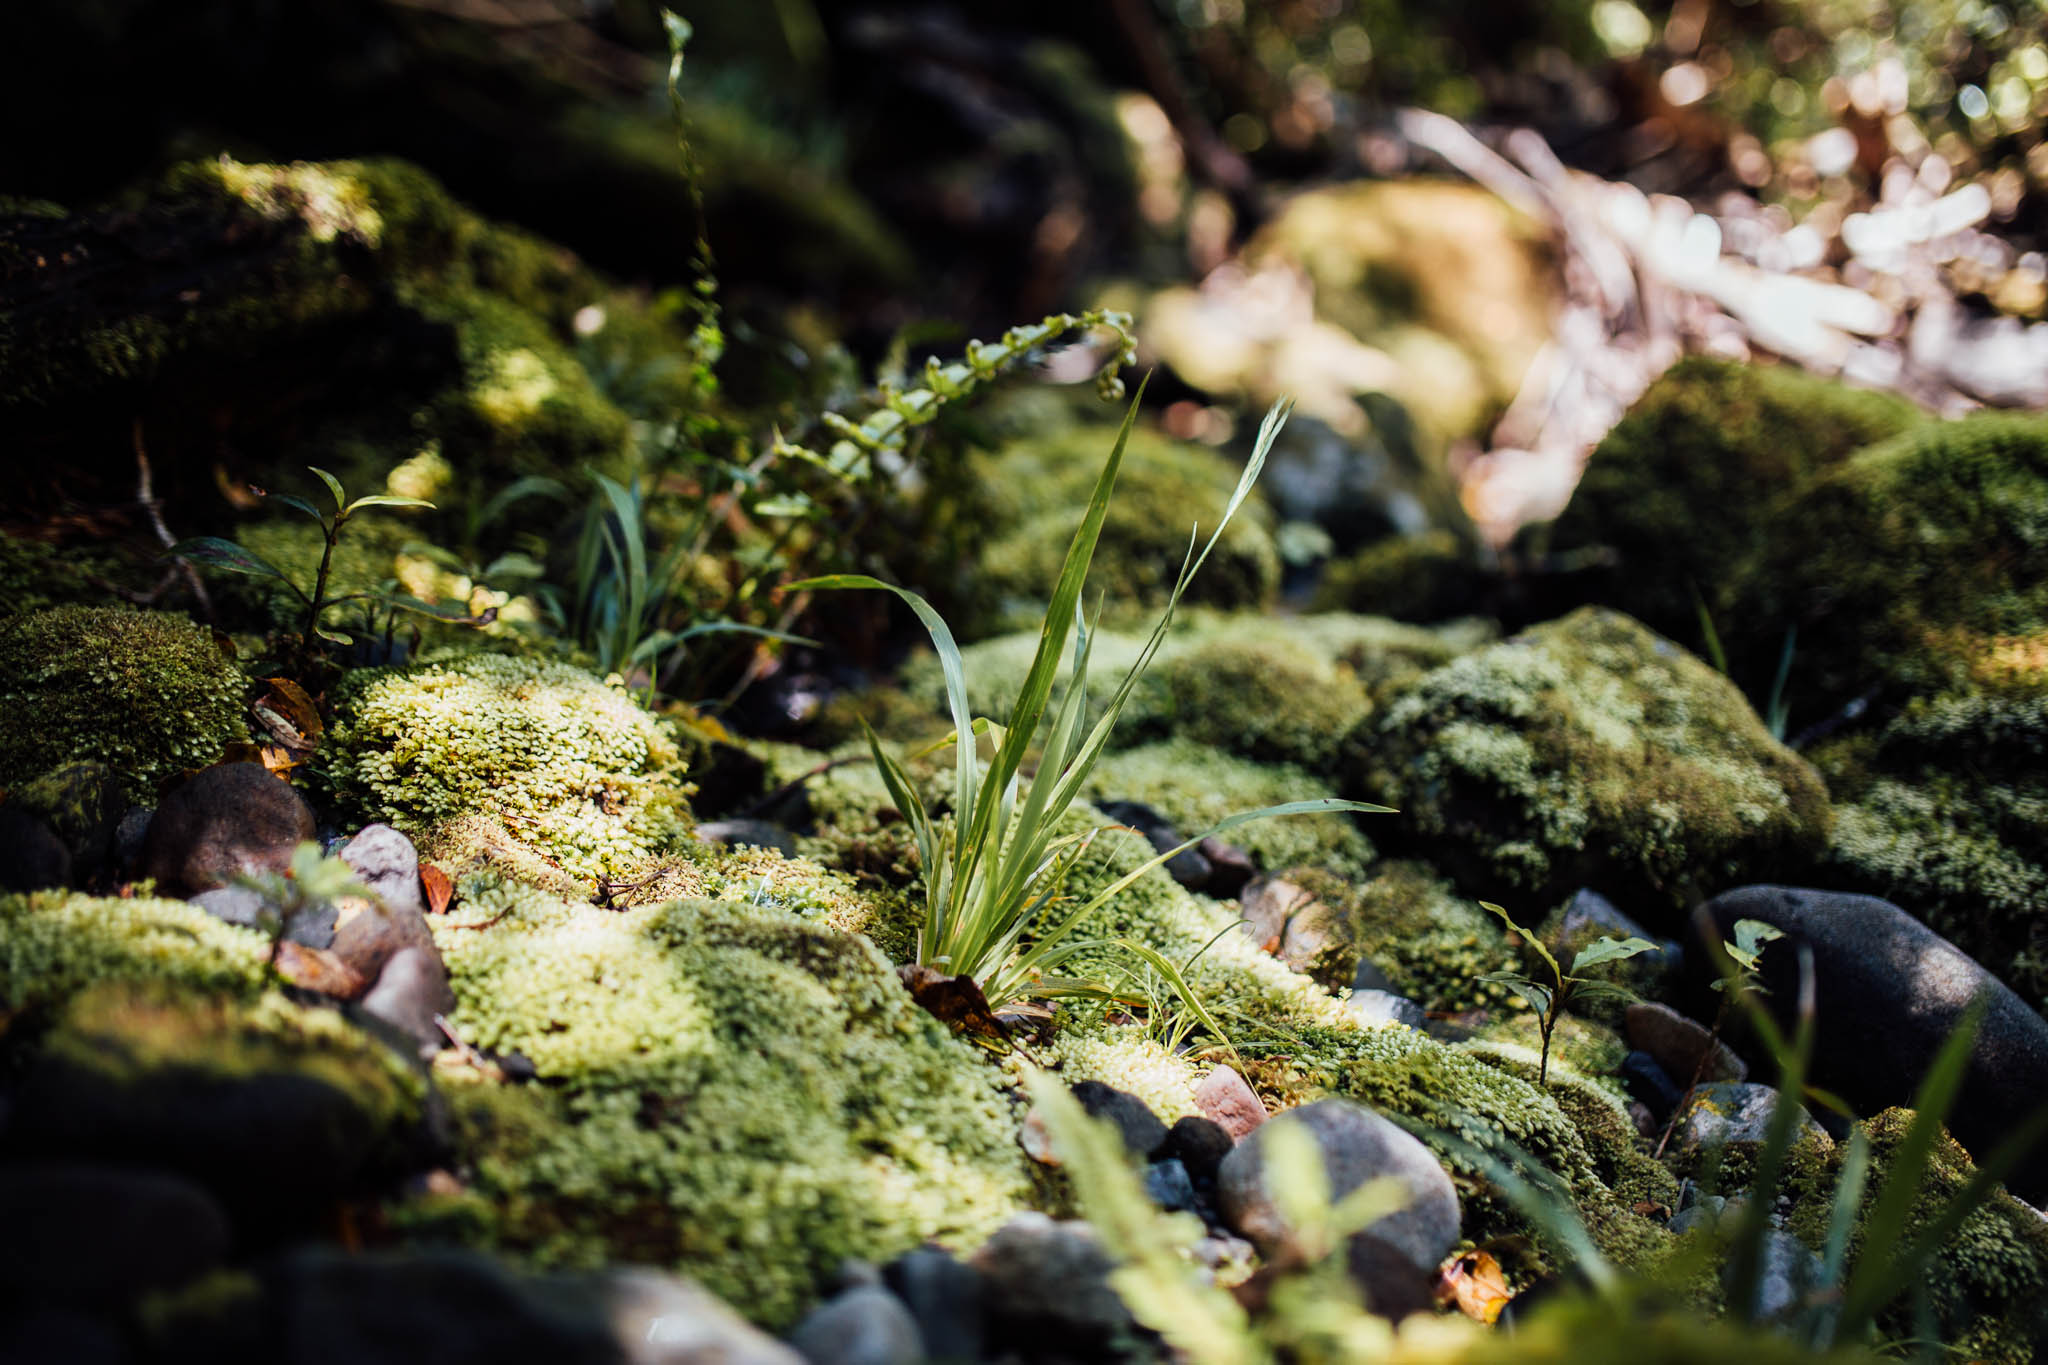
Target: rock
(316, 969)
(370, 935)
(864, 1325)
(1733, 1114)
(1048, 1282)
(410, 991)
(226, 820)
(1216, 1251)
(129, 837)
(1685, 1049)
(1374, 1008)
(1228, 1099)
(1198, 1144)
(82, 803)
(1588, 915)
(1142, 1131)
(43, 1335)
(32, 857)
(1190, 867)
(98, 1236)
(660, 1319)
(1230, 867)
(1888, 991)
(313, 925)
(1393, 1285)
(1357, 1145)
(1036, 1139)
(1286, 920)
(1168, 1185)
(944, 1296)
(1651, 1085)
(386, 862)
(754, 833)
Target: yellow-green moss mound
(735, 1092)
(56, 943)
(146, 692)
(572, 767)
(1590, 751)
(1432, 944)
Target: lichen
(1589, 751)
(148, 693)
(571, 766)
(742, 1095)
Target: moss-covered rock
(1944, 811)
(1431, 943)
(739, 1093)
(1195, 785)
(571, 766)
(54, 944)
(148, 693)
(1687, 488)
(1987, 1286)
(1590, 752)
(1037, 493)
(1429, 577)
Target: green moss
(1274, 700)
(56, 943)
(1945, 812)
(1432, 944)
(1576, 1331)
(146, 692)
(1194, 786)
(577, 771)
(1429, 577)
(1987, 1286)
(739, 1094)
(1589, 751)
(1686, 488)
(34, 575)
(1037, 494)
(1127, 1056)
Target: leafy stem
(1549, 998)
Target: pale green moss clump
(56, 943)
(572, 767)
(146, 692)
(1194, 786)
(1127, 1057)
(741, 1095)
(1589, 751)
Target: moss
(1919, 564)
(1944, 810)
(1274, 700)
(1589, 751)
(1430, 577)
(1686, 488)
(1987, 1286)
(580, 774)
(742, 1095)
(1127, 1057)
(1194, 786)
(1038, 495)
(34, 575)
(54, 944)
(146, 692)
(1584, 1331)
(1432, 944)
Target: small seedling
(1549, 998)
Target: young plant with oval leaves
(1549, 998)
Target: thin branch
(145, 495)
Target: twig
(145, 494)
(796, 783)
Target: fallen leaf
(956, 1000)
(288, 715)
(439, 886)
(316, 969)
(1475, 1282)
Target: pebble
(1228, 1099)
(1650, 1085)
(1735, 1113)
(1375, 1008)
(1142, 1131)
(1685, 1049)
(1047, 1282)
(224, 821)
(1168, 1185)
(1286, 921)
(82, 804)
(944, 1297)
(1199, 1144)
(1190, 867)
(751, 833)
(864, 1325)
(410, 991)
(662, 1319)
(368, 936)
(311, 925)
(32, 857)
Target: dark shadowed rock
(82, 804)
(1168, 1185)
(944, 1296)
(1888, 991)
(1687, 1050)
(1357, 1145)
(863, 1325)
(312, 925)
(226, 820)
(1190, 867)
(32, 857)
(410, 991)
(1198, 1143)
(750, 833)
(1142, 1131)
(1048, 1282)
(97, 1236)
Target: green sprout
(1549, 998)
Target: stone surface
(312, 926)
(1887, 992)
(660, 1319)
(1199, 1144)
(32, 857)
(1733, 1114)
(226, 820)
(1686, 1049)
(1230, 867)
(1142, 1131)
(757, 833)
(129, 837)
(1190, 867)
(1168, 1185)
(369, 936)
(1374, 1008)
(82, 803)
(1286, 920)
(386, 861)
(1651, 1085)
(410, 991)
(864, 1325)
(944, 1296)
(1228, 1099)
(1357, 1145)
(97, 1236)
(1048, 1282)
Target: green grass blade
(1841, 1226)
(1752, 1230)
